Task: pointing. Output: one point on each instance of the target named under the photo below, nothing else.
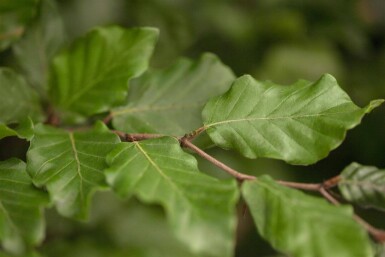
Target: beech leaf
(200, 209)
(92, 75)
(364, 185)
(19, 105)
(300, 123)
(41, 41)
(301, 225)
(21, 206)
(170, 101)
(70, 165)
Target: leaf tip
(373, 104)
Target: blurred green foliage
(277, 40)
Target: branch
(322, 188)
(303, 186)
(377, 234)
(135, 137)
(186, 143)
(107, 119)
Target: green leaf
(300, 123)
(170, 101)
(301, 225)
(35, 50)
(70, 165)
(92, 75)
(199, 208)
(21, 204)
(14, 14)
(18, 102)
(24, 130)
(364, 185)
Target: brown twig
(190, 136)
(186, 143)
(303, 186)
(52, 117)
(332, 182)
(135, 137)
(322, 188)
(107, 119)
(377, 234)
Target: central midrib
(271, 118)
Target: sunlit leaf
(35, 50)
(199, 208)
(364, 185)
(92, 75)
(301, 225)
(170, 101)
(300, 123)
(21, 219)
(70, 165)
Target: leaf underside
(170, 101)
(364, 185)
(301, 225)
(70, 165)
(92, 76)
(199, 208)
(300, 123)
(21, 204)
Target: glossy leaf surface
(70, 165)
(200, 208)
(92, 75)
(301, 225)
(21, 217)
(170, 101)
(364, 185)
(300, 123)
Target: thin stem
(190, 136)
(135, 137)
(303, 186)
(376, 233)
(324, 192)
(186, 143)
(107, 119)
(332, 182)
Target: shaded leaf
(92, 75)
(300, 123)
(301, 225)
(170, 101)
(364, 185)
(21, 217)
(199, 208)
(43, 38)
(24, 129)
(18, 102)
(70, 165)
(14, 14)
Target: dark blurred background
(277, 40)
